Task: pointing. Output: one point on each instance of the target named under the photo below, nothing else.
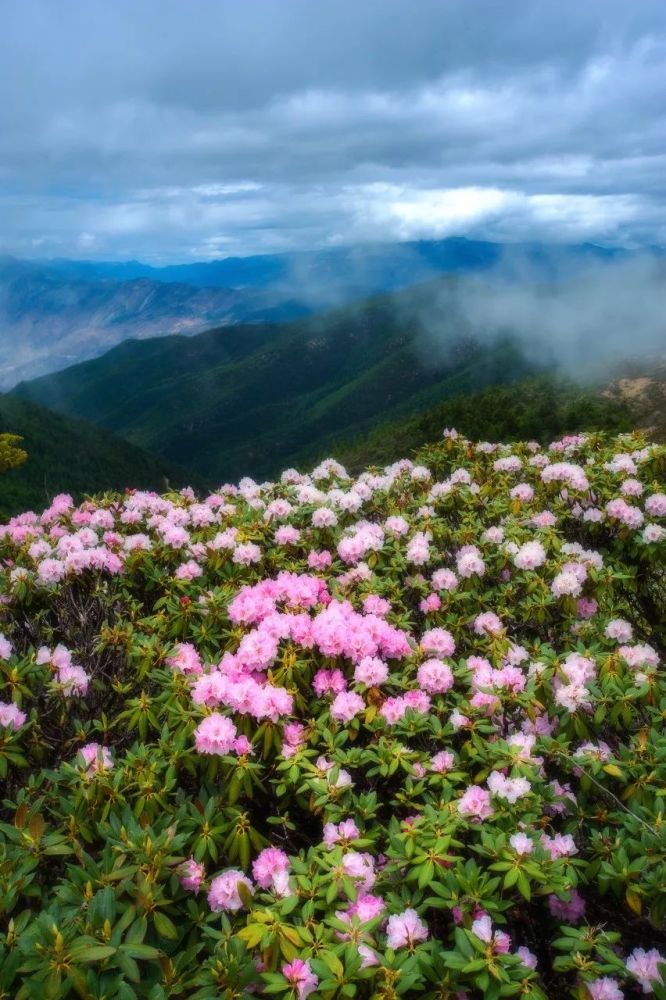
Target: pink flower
(73, 679)
(242, 746)
(326, 681)
(566, 583)
(644, 965)
(319, 560)
(483, 928)
(360, 867)
(430, 604)
(469, 562)
(474, 804)
(346, 705)
(488, 623)
(521, 843)
(246, 553)
(192, 875)
(270, 870)
(223, 893)
(418, 550)
(300, 977)
(96, 758)
(510, 789)
(371, 671)
(215, 734)
(531, 555)
(405, 929)
(396, 525)
(586, 607)
(186, 659)
(562, 845)
(189, 570)
(438, 641)
(528, 959)
(368, 957)
(571, 911)
(655, 505)
(620, 630)
(5, 648)
(442, 762)
(324, 518)
(604, 989)
(444, 579)
(367, 907)
(375, 605)
(344, 831)
(11, 715)
(523, 492)
(435, 677)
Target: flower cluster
(398, 734)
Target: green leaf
(164, 926)
(92, 953)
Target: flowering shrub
(393, 736)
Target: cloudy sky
(170, 130)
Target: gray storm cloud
(171, 130)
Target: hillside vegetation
(49, 320)
(538, 408)
(398, 735)
(248, 400)
(66, 455)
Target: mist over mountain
(57, 313)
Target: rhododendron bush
(399, 735)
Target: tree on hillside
(10, 454)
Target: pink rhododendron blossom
(488, 623)
(223, 892)
(647, 967)
(346, 705)
(572, 911)
(186, 659)
(371, 671)
(406, 929)
(270, 870)
(192, 875)
(444, 579)
(344, 831)
(474, 804)
(438, 641)
(529, 556)
(527, 957)
(300, 977)
(11, 715)
(435, 677)
(604, 989)
(73, 679)
(442, 762)
(96, 758)
(215, 735)
(521, 843)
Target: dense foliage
(399, 735)
(11, 453)
(539, 408)
(62, 454)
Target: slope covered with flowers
(399, 735)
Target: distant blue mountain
(362, 269)
(58, 312)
